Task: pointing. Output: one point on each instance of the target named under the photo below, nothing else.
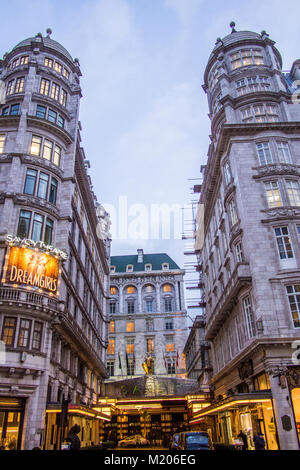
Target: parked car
(136, 440)
(174, 441)
(194, 440)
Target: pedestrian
(243, 437)
(259, 442)
(73, 438)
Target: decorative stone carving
(284, 212)
(277, 169)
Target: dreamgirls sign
(28, 265)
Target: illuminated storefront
(250, 413)
(11, 423)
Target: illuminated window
(129, 268)
(44, 87)
(273, 194)
(54, 91)
(19, 88)
(112, 326)
(130, 290)
(2, 141)
(47, 149)
(66, 73)
(63, 98)
(113, 290)
(130, 346)
(130, 326)
(9, 330)
(57, 155)
(58, 67)
(170, 344)
(112, 269)
(293, 293)
(10, 87)
(284, 243)
(246, 57)
(293, 192)
(167, 288)
(48, 62)
(150, 345)
(111, 346)
(24, 333)
(149, 288)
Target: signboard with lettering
(31, 268)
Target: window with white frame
(283, 152)
(224, 237)
(110, 365)
(227, 173)
(2, 142)
(232, 213)
(293, 293)
(239, 252)
(41, 147)
(293, 191)
(252, 84)
(273, 194)
(54, 91)
(112, 269)
(165, 266)
(249, 317)
(148, 267)
(129, 268)
(283, 242)
(260, 113)
(264, 153)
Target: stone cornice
(50, 127)
(274, 169)
(281, 213)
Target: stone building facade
(55, 268)
(250, 257)
(147, 329)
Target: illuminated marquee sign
(27, 242)
(31, 268)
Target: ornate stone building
(147, 330)
(251, 252)
(55, 268)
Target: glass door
(9, 429)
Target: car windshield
(197, 439)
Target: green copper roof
(156, 260)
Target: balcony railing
(8, 294)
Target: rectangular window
(48, 62)
(24, 60)
(293, 192)
(150, 345)
(111, 346)
(52, 116)
(247, 115)
(130, 307)
(227, 173)
(171, 367)
(48, 232)
(249, 317)
(112, 307)
(110, 365)
(63, 97)
(130, 326)
(150, 324)
(10, 87)
(54, 91)
(239, 253)
(44, 87)
(284, 152)
(30, 182)
(130, 367)
(37, 336)
(66, 73)
(41, 111)
(168, 305)
(130, 346)
(24, 333)
(57, 155)
(273, 194)
(61, 121)
(169, 325)
(149, 306)
(170, 344)
(35, 147)
(112, 326)
(58, 67)
(9, 330)
(19, 88)
(47, 149)
(232, 213)
(14, 110)
(264, 153)
(24, 224)
(2, 141)
(293, 293)
(283, 243)
(53, 191)
(43, 185)
(37, 227)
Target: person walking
(243, 437)
(259, 442)
(73, 437)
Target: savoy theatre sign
(32, 264)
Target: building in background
(55, 268)
(251, 252)
(147, 329)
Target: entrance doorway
(11, 423)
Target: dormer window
(148, 267)
(112, 269)
(165, 266)
(129, 268)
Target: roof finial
(232, 26)
(49, 32)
